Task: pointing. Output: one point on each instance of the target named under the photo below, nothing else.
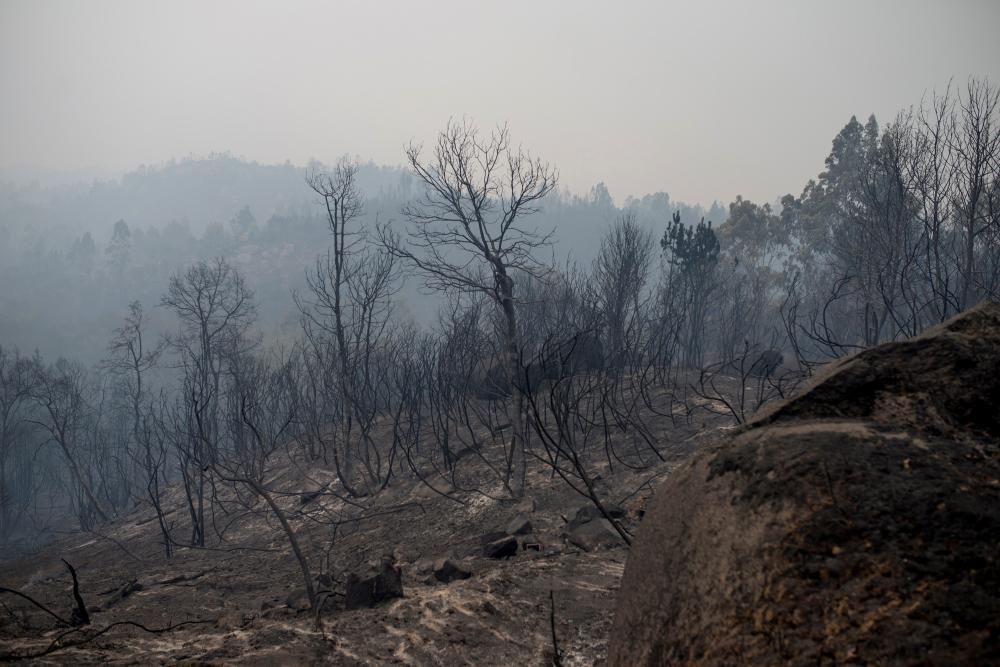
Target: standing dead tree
(131, 359)
(466, 233)
(260, 407)
(569, 418)
(61, 391)
(17, 381)
(621, 273)
(215, 309)
(976, 143)
(346, 315)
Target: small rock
(519, 525)
(526, 506)
(298, 600)
(590, 512)
(505, 547)
(446, 571)
(382, 581)
(492, 537)
(307, 497)
(594, 535)
(132, 586)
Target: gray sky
(706, 100)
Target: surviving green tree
(692, 251)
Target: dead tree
(976, 145)
(737, 388)
(260, 405)
(61, 390)
(620, 276)
(349, 304)
(17, 381)
(215, 310)
(466, 234)
(131, 359)
(570, 425)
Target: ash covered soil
(854, 523)
(245, 600)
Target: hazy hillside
(61, 293)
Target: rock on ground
(446, 571)
(519, 525)
(502, 547)
(593, 535)
(382, 581)
(855, 523)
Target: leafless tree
(131, 359)
(260, 406)
(976, 145)
(17, 382)
(61, 390)
(739, 387)
(570, 421)
(215, 310)
(620, 276)
(348, 311)
(467, 233)
(933, 175)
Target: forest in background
(82, 253)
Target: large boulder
(855, 523)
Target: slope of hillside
(243, 598)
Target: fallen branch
(36, 603)
(183, 577)
(57, 646)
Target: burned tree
(215, 309)
(346, 315)
(17, 382)
(62, 390)
(621, 272)
(131, 359)
(466, 233)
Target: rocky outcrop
(854, 523)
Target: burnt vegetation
(534, 372)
